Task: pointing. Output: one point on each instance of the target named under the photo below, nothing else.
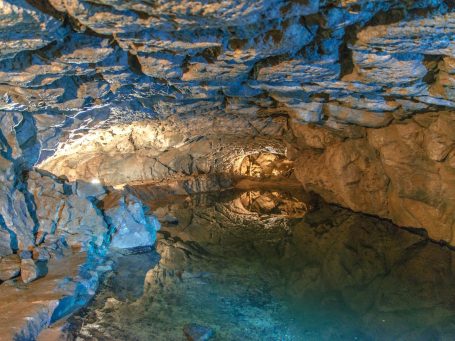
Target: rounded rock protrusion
(10, 267)
(31, 270)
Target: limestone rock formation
(403, 172)
(61, 212)
(350, 99)
(10, 267)
(116, 93)
(68, 238)
(133, 229)
(31, 270)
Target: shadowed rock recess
(353, 100)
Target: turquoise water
(273, 265)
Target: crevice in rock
(29, 201)
(345, 52)
(211, 54)
(134, 64)
(450, 4)
(13, 237)
(45, 7)
(392, 16)
(266, 62)
(431, 62)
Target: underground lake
(227, 170)
(272, 264)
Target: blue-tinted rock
(132, 228)
(25, 254)
(197, 332)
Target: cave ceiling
(241, 67)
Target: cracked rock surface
(358, 93)
(351, 99)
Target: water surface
(275, 265)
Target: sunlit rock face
(355, 96)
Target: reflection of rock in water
(273, 202)
(236, 263)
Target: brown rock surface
(27, 310)
(348, 173)
(10, 267)
(31, 270)
(403, 172)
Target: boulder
(10, 267)
(132, 228)
(31, 270)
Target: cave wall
(359, 94)
(404, 172)
(165, 149)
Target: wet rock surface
(195, 332)
(327, 274)
(184, 89)
(350, 99)
(58, 270)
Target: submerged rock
(197, 332)
(330, 274)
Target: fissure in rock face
(350, 99)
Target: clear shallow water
(271, 265)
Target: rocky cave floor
(271, 264)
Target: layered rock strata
(351, 99)
(404, 172)
(209, 83)
(355, 96)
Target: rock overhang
(120, 92)
(95, 62)
(350, 99)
